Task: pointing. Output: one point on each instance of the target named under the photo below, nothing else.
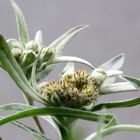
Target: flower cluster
(20, 51)
(29, 61)
(76, 90)
(26, 54)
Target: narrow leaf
(30, 130)
(115, 63)
(28, 59)
(73, 59)
(112, 73)
(21, 107)
(14, 70)
(118, 104)
(42, 74)
(33, 76)
(68, 69)
(111, 76)
(133, 81)
(62, 59)
(21, 24)
(39, 37)
(15, 107)
(63, 40)
(55, 111)
(113, 129)
(117, 87)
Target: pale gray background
(115, 28)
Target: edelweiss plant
(74, 96)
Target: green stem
(113, 129)
(29, 101)
(66, 127)
(67, 135)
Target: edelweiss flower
(77, 89)
(81, 89)
(73, 90)
(27, 52)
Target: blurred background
(114, 28)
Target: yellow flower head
(73, 90)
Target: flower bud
(13, 43)
(16, 52)
(28, 57)
(32, 45)
(47, 54)
(99, 75)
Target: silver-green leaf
(16, 107)
(117, 87)
(33, 132)
(68, 69)
(73, 59)
(115, 63)
(21, 24)
(63, 40)
(133, 81)
(39, 37)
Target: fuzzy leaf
(11, 66)
(118, 104)
(68, 69)
(28, 59)
(112, 73)
(42, 74)
(39, 37)
(115, 63)
(63, 40)
(30, 130)
(117, 87)
(73, 59)
(55, 111)
(21, 107)
(33, 76)
(21, 24)
(48, 55)
(110, 119)
(133, 81)
(56, 48)
(61, 59)
(15, 107)
(113, 129)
